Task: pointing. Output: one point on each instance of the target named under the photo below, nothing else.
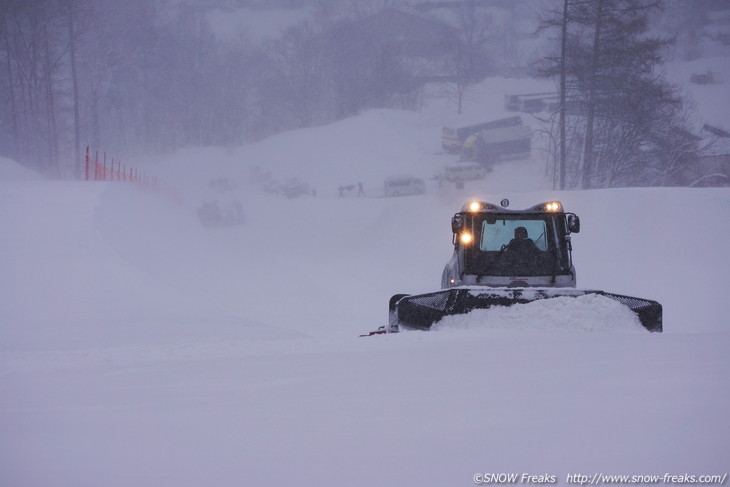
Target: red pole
(86, 171)
(96, 167)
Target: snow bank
(591, 312)
(12, 171)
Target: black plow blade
(421, 311)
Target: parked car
(463, 171)
(404, 185)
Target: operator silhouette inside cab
(522, 250)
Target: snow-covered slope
(139, 348)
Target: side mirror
(456, 223)
(573, 223)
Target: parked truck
(489, 142)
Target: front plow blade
(421, 311)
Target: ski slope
(139, 348)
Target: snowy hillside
(139, 348)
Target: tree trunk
(563, 44)
(11, 84)
(75, 89)
(50, 101)
(588, 148)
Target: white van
(463, 171)
(404, 185)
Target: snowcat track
(421, 311)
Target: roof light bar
(477, 206)
(480, 206)
(550, 206)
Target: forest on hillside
(150, 76)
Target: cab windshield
(498, 233)
(511, 246)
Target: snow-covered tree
(611, 86)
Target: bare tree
(9, 102)
(469, 59)
(34, 51)
(563, 98)
(72, 12)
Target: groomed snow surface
(138, 348)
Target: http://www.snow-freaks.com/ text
(600, 479)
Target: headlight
(466, 238)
